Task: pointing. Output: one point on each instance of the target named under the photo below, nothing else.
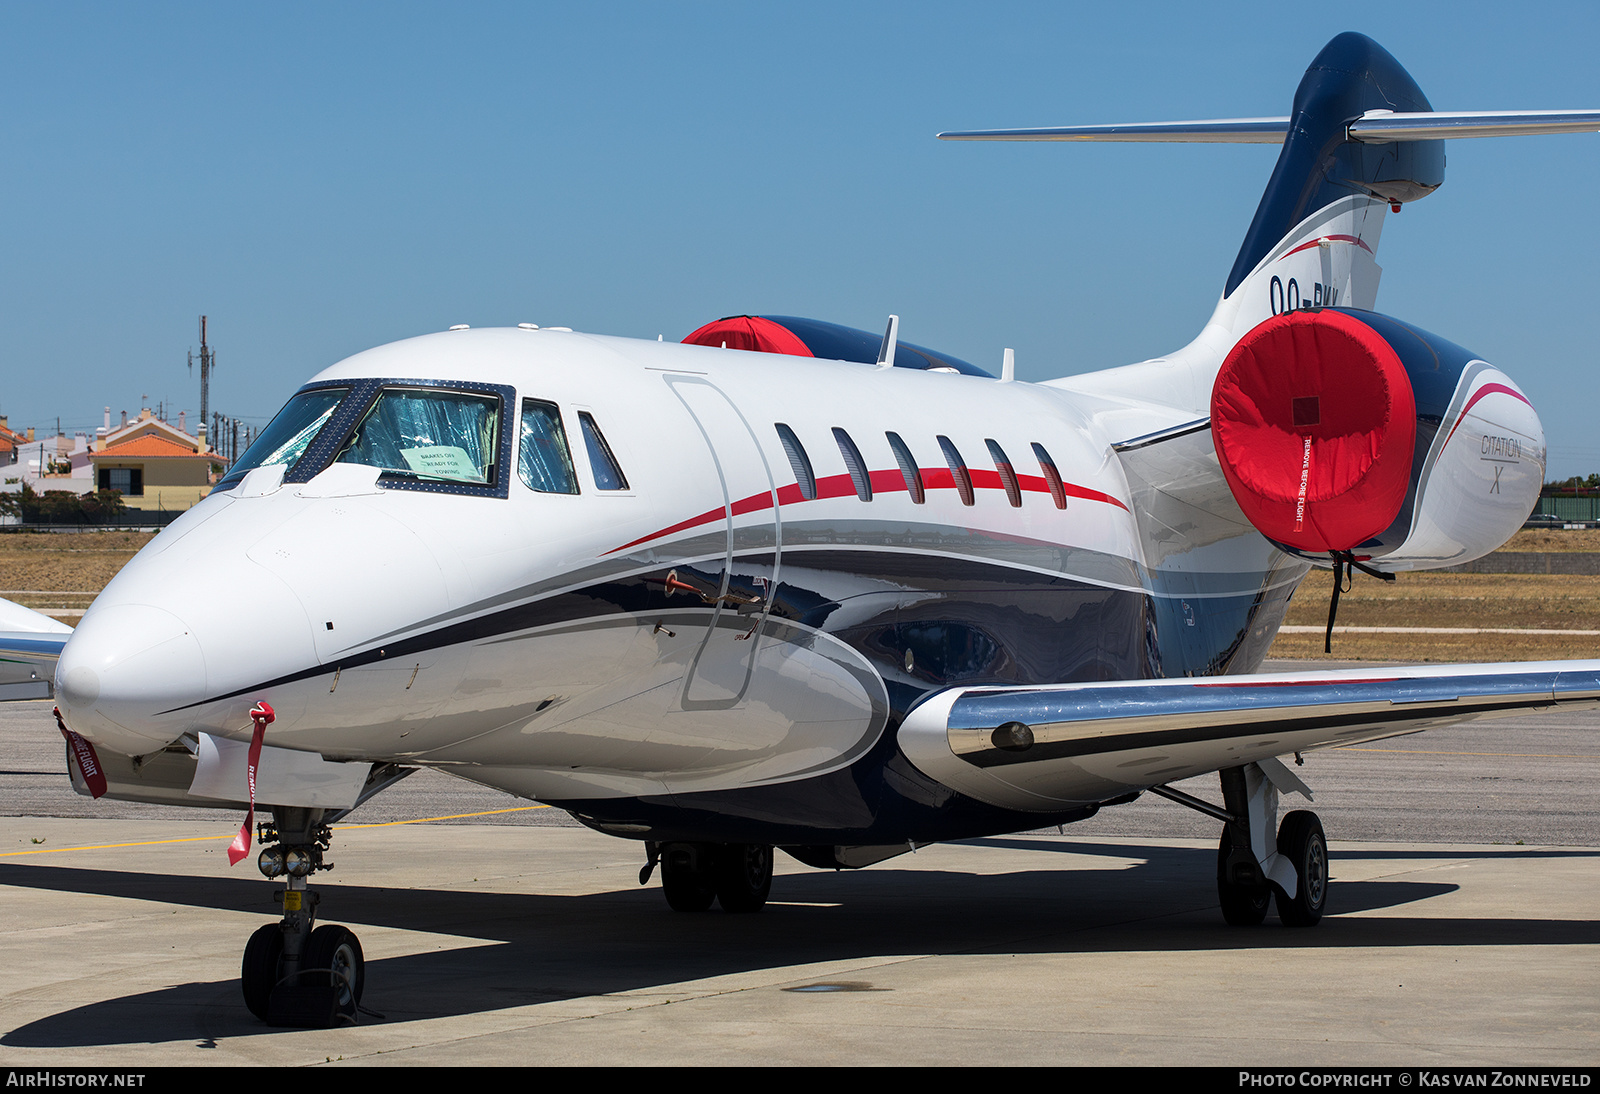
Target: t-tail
(1345, 436)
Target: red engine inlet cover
(1314, 421)
(749, 332)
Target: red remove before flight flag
(261, 714)
(84, 756)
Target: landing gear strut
(294, 973)
(1251, 869)
(1245, 898)
(736, 875)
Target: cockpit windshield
(291, 432)
(422, 434)
(429, 434)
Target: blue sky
(319, 179)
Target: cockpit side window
(607, 472)
(429, 435)
(546, 462)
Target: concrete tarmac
(533, 943)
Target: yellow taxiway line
(232, 832)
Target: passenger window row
(546, 461)
(911, 471)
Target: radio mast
(208, 361)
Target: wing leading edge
(1039, 748)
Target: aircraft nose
(125, 675)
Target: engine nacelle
(1344, 430)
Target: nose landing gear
(294, 973)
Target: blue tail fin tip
(1319, 164)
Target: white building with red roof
(154, 464)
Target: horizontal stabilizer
(1214, 131)
(1379, 126)
(1373, 127)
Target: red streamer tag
(84, 756)
(261, 714)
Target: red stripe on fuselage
(883, 482)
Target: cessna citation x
(791, 585)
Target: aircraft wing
(30, 643)
(1050, 748)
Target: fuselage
(660, 585)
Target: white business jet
(790, 585)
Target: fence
(124, 521)
(1569, 507)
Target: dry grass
(1537, 601)
(1519, 601)
(1545, 539)
(63, 570)
(1437, 648)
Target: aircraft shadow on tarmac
(536, 948)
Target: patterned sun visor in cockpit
(429, 434)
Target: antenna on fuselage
(1008, 366)
(891, 338)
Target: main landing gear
(736, 875)
(1252, 870)
(294, 973)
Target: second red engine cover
(1314, 422)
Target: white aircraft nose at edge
(720, 599)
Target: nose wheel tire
(1301, 841)
(744, 876)
(261, 969)
(336, 949)
(1242, 905)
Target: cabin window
(607, 472)
(799, 462)
(430, 435)
(958, 469)
(546, 462)
(1052, 477)
(908, 468)
(290, 432)
(1008, 477)
(854, 464)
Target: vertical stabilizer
(1314, 239)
